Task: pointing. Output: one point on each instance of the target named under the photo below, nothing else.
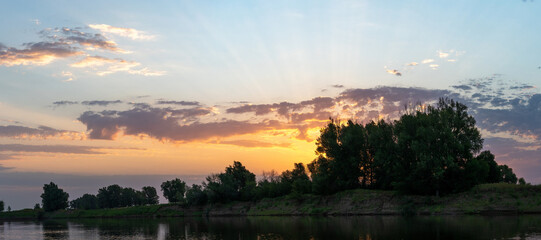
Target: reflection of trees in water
(355, 227)
(55, 230)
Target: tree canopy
(53, 198)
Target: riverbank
(493, 199)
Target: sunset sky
(95, 93)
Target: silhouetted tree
(296, 180)
(36, 206)
(507, 174)
(53, 198)
(110, 196)
(1, 206)
(150, 195)
(195, 195)
(494, 173)
(87, 201)
(174, 190)
(237, 183)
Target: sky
(138, 92)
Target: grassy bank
(482, 199)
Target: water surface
(359, 227)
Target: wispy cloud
(14, 131)
(434, 66)
(427, 61)
(62, 43)
(105, 66)
(100, 102)
(41, 53)
(182, 103)
(254, 143)
(124, 32)
(394, 72)
(412, 64)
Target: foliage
(174, 190)
(53, 198)
(150, 195)
(429, 151)
(236, 183)
(37, 206)
(195, 195)
(1, 206)
(114, 196)
(87, 201)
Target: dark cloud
(6, 156)
(338, 86)
(2, 168)
(74, 36)
(49, 148)
(463, 87)
(64, 102)
(254, 143)
(182, 103)
(100, 103)
(523, 118)
(41, 131)
(284, 108)
(164, 125)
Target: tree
(53, 198)
(237, 183)
(296, 180)
(507, 174)
(174, 190)
(36, 206)
(195, 195)
(150, 195)
(87, 201)
(110, 197)
(1, 206)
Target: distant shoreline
(486, 199)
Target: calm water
(366, 227)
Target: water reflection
(361, 227)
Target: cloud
(337, 86)
(412, 64)
(427, 61)
(254, 143)
(60, 43)
(90, 41)
(49, 149)
(105, 66)
(35, 21)
(64, 103)
(394, 72)
(100, 102)
(434, 66)
(182, 103)
(442, 54)
(14, 131)
(41, 53)
(164, 124)
(463, 87)
(124, 32)
(69, 76)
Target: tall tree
(1, 206)
(150, 195)
(53, 198)
(174, 190)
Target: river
(357, 227)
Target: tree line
(431, 150)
